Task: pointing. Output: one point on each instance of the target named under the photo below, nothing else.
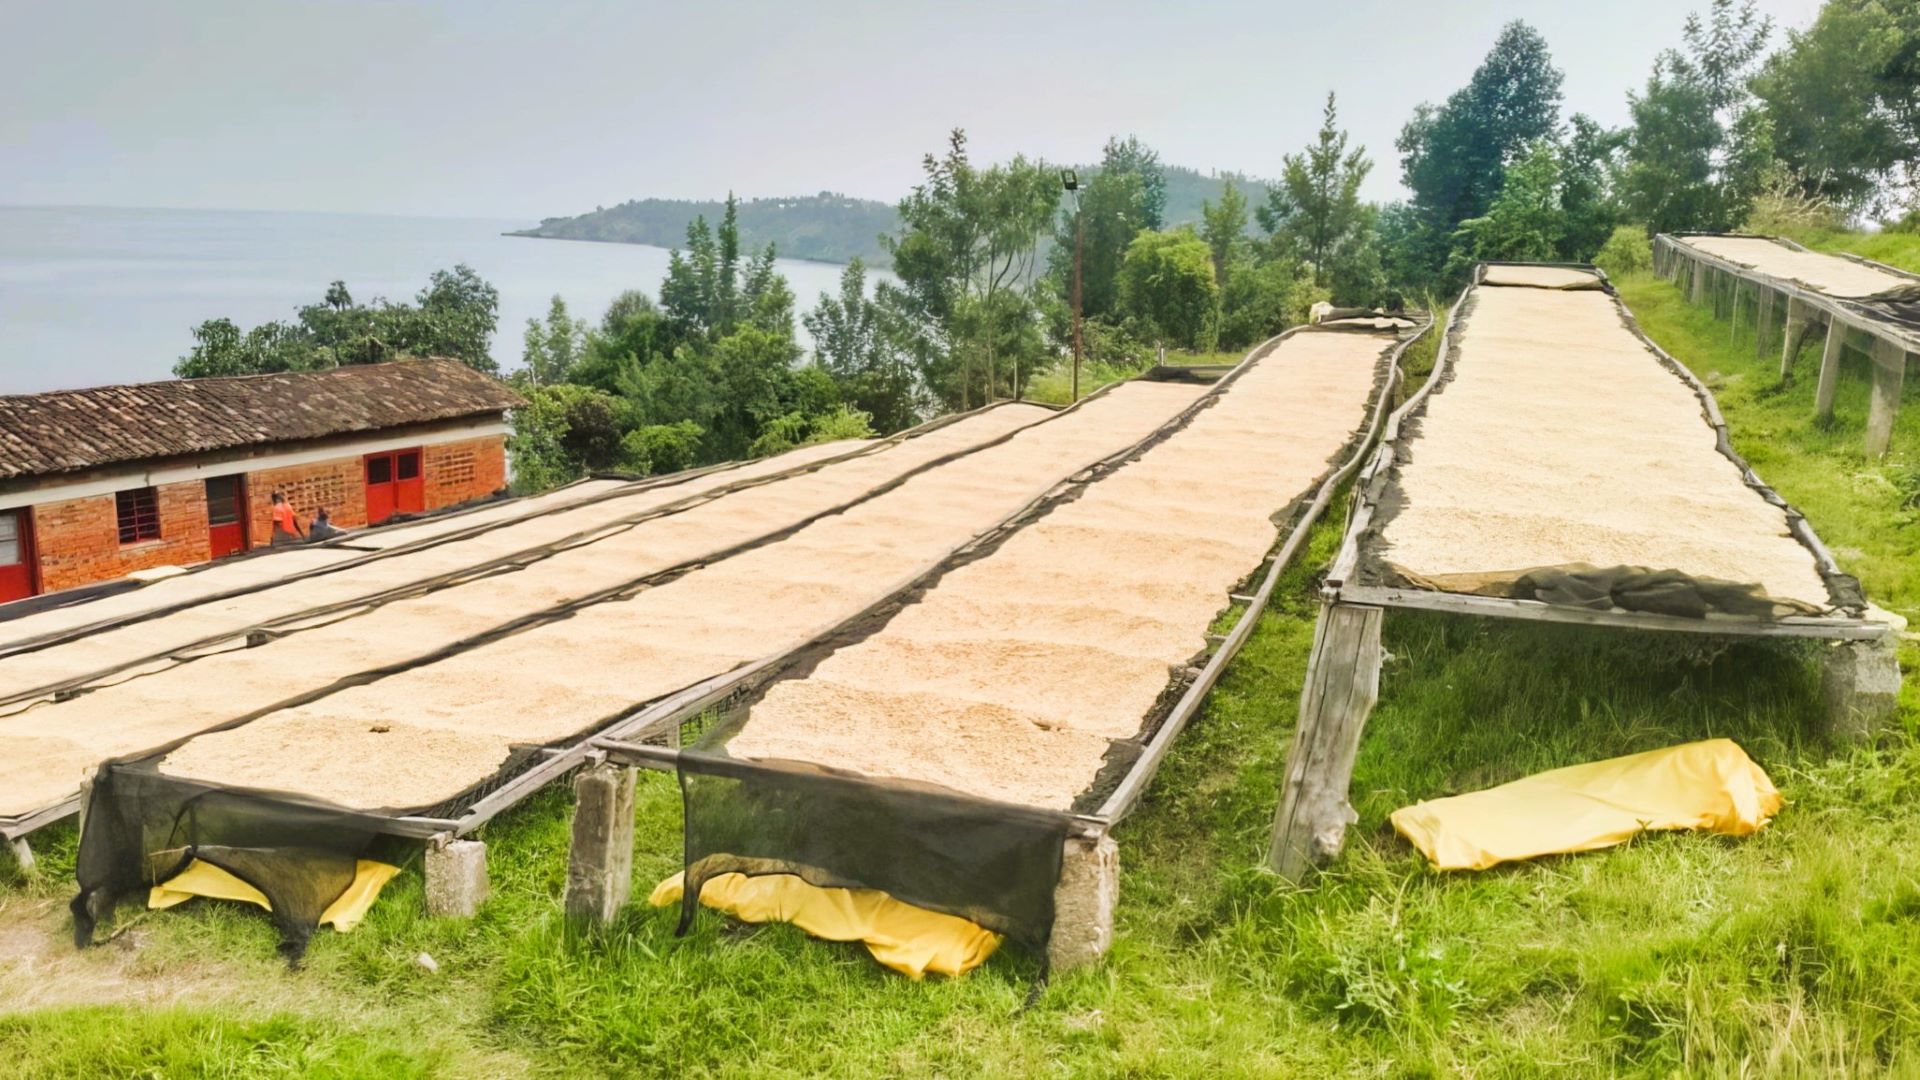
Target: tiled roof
(68, 430)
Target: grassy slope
(1792, 952)
(1894, 249)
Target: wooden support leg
(600, 860)
(456, 878)
(1762, 319)
(1829, 370)
(1861, 681)
(1343, 682)
(1083, 903)
(23, 854)
(1889, 373)
(1699, 283)
(1798, 316)
(1733, 323)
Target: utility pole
(1072, 184)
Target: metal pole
(1078, 237)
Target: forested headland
(1808, 134)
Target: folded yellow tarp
(910, 940)
(1711, 785)
(206, 879)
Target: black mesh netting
(994, 864)
(141, 828)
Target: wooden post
(1889, 373)
(1343, 682)
(1798, 316)
(600, 859)
(1762, 318)
(1829, 370)
(1699, 282)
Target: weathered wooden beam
(1343, 682)
(1799, 315)
(1762, 319)
(1830, 370)
(1889, 373)
(1700, 272)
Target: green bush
(1627, 251)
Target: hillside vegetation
(829, 227)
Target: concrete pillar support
(1861, 682)
(600, 859)
(456, 878)
(23, 854)
(1083, 902)
(1889, 375)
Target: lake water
(93, 295)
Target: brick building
(101, 482)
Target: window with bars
(139, 514)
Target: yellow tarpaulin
(910, 940)
(206, 879)
(1711, 785)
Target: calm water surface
(94, 295)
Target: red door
(16, 555)
(394, 485)
(226, 515)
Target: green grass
(1898, 249)
(1792, 953)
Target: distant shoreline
(530, 234)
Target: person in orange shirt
(286, 527)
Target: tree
(966, 250)
(1315, 210)
(553, 349)
(859, 341)
(1261, 299)
(1224, 228)
(1699, 151)
(1844, 101)
(1525, 222)
(1454, 156)
(453, 316)
(1166, 284)
(1113, 210)
(1589, 169)
(1131, 157)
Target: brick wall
(339, 485)
(457, 472)
(78, 540)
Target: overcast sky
(534, 109)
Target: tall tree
(1525, 222)
(1315, 210)
(552, 349)
(859, 341)
(1454, 156)
(1844, 100)
(1699, 149)
(1130, 155)
(965, 254)
(1167, 285)
(1224, 227)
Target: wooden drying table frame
(1706, 278)
(1343, 670)
(600, 863)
